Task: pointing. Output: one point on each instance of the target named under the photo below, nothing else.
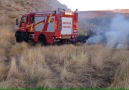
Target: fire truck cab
(48, 27)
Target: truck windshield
(23, 19)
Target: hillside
(65, 66)
(95, 20)
(103, 13)
(12, 9)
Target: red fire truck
(48, 27)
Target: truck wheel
(42, 40)
(19, 36)
(26, 37)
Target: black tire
(26, 37)
(19, 36)
(42, 40)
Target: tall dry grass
(66, 66)
(121, 79)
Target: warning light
(68, 13)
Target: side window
(39, 19)
(23, 20)
(32, 19)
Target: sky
(88, 5)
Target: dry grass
(12, 14)
(3, 19)
(66, 66)
(122, 76)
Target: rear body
(48, 27)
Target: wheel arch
(42, 39)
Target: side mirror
(17, 22)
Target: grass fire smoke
(116, 36)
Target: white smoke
(116, 36)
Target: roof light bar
(68, 13)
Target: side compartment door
(51, 24)
(66, 25)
